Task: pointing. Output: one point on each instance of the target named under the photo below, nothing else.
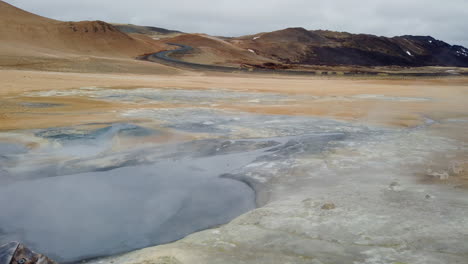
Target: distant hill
(129, 28)
(320, 47)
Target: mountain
(21, 29)
(34, 42)
(29, 41)
(320, 47)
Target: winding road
(164, 57)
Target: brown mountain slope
(289, 45)
(34, 42)
(89, 37)
(319, 47)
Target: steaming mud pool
(296, 189)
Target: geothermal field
(253, 141)
(275, 170)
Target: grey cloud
(444, 20)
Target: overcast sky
(443, 19)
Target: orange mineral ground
(351, 99)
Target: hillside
(319, 47)
(31, 41)
(90, 37)
(213, 50)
